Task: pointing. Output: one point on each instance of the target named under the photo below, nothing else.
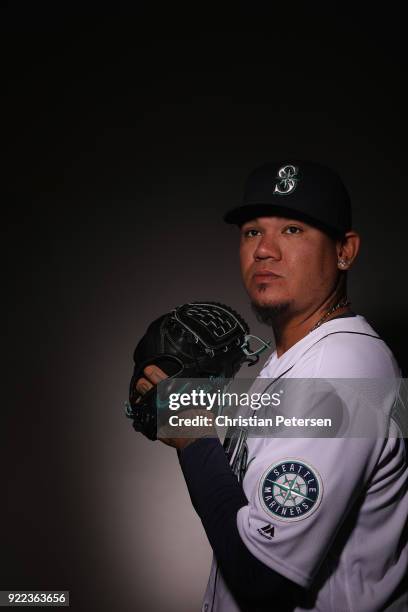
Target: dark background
(131, 132)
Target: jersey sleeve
(301, 487)
(300, 491)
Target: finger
(154, 374)
(143, 386)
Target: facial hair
(270, 314)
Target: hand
(152, 376)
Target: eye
(292, 229)
(250, 233)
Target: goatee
(269, 314)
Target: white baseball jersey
(328, 513)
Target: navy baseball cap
(302, 190)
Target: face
(287, 264)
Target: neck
(289, 330)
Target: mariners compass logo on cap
(287, 180)
(290, 490)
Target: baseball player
(316, 524)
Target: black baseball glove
(195, 340)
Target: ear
(347, 250)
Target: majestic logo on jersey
(290, 490)
(287, 180)
(267, 532)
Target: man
(317, 523)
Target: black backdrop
(131, 133)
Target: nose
(267, 248)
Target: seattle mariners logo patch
(287, 180)
(290, 490)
